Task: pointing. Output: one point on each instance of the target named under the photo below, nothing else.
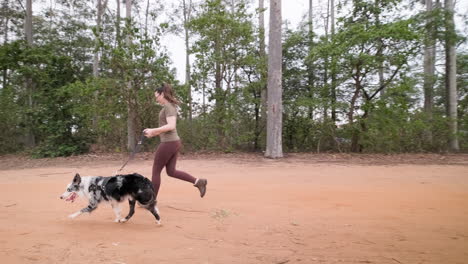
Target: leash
(135, 151)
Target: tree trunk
(429, 69)
(118, 44)
(100, 10)
(379, 54)
(333, 64)
(263, 73)
(219, 94)
(311, 22)
(381, 72)
(310, 65)
(30, 137)
(131, 107)
(6, 18)
(450, 76)
(5, 40)
(356, 133)
(325, 90)
(146, 18)
(117, 23)
(28, 23)
(187, 16)
(274, 147)
(204, 95)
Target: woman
(168, 149)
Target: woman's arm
(171, 125)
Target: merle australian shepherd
(115, 189)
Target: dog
(114, 189)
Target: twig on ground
(196, 238)
(56, 173)
(185, 210)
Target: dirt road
(302, 209)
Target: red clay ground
(301, 209)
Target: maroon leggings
(166, 155)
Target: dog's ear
(77, 179)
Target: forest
(380, 76)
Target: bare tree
(100, 6)
(28, 23)
(429, 67)
(310, 65)
(219, 93)
(30, 140)
(97, 44)
(117, 23)
(6, 19)
(333, 64)
(187, 9)
(146, 18)
(325, 90)
(379, 53)
(274, 147)
(131, 106)
(311, 22)
(450, 75)
(261, 124)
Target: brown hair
(168, 92)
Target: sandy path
(257, 211)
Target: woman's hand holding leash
(150, 132)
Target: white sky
(292, 10)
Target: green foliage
(69, 111)
(8, 121)
(50, 116)
(224, 54)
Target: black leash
(135, 151)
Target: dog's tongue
(71, 197)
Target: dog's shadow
(103, 227)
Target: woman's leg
(171, 166)
(163, 154)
